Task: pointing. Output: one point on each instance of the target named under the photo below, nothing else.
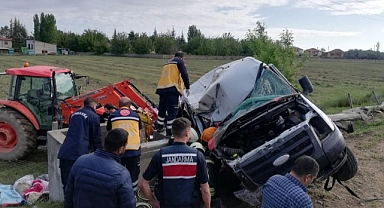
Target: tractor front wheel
(17, 135)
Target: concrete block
(55, 139)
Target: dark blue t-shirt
(177, 161)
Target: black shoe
(170, 140)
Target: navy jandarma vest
(179, 169)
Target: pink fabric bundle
(38, 186)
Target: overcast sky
(344, 24)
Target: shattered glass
(268, 87)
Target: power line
(341, 10)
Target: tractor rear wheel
(17, 135)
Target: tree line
(121, 42)
(257, 43)
(195, 42)
(363, 54)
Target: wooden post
(374, 95)
(350, 100)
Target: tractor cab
(40, 88)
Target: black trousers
(133, 166)
(168, 105)
(65, 168)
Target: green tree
(45, 30)
(227, 45)
(180, 42)
(62, 39)
(194, 44)
(153, 38)
(142, 45)
(165, 44)
(18, 33)
(120, 43)
(50, 29)
(5, 31)
(246, 49)
(173, 33)
(90, 39)
(193, 32)
(43, 24)
(378, 46)
(206, 46)
(101, 46)
(68, 40)
(73, 42)
(132, 37)
(280, 53)
(36, 28)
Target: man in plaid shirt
(291, 190)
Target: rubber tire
(26, 134)
(350, 167)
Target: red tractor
(39, 95)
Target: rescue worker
(174, 77)
(129, 120)
(215, 200)
(83, 134)
(108, 108)
(179, 168)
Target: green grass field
(332, 81)
(142, 72)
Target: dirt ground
(369, 181)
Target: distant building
(5, 45)
(38, 47)
(299, 51)
(336, 53)
(63, 51)
(313, 52)
(5, 42)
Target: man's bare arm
(144, 186)
(206, 194)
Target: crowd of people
(98, 172)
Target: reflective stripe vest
(171, 77)
(179, 169)
(211, 168)
(128, 120)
